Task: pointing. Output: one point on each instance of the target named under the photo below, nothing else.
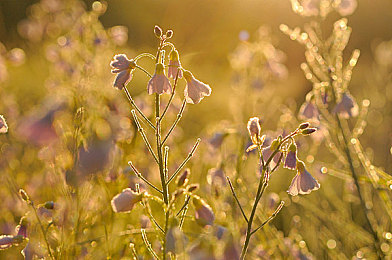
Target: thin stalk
(42, 229)
(171, 97)
(148, 244)
(145, 71)
(179, 115)
(139, 175)
(144, 55)
(277, 210)
(137, 108)
(236, 199)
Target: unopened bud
(308, 131)
(193, 187)
(275, 144)
(169, 34)
(49, 205)
(304, 125)
(158, 31)
(182, 180)
(24, 195)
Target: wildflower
(124, 201)
(6, 241)
(21, 229)
(28, 252)
(159, 83)
(346, 7)
(254, 128)
(347, 107)
(291, 157)
(203, 214)
(3, 125)
(308, 110)
(303, 182)
(174, 65)
(123, 67)
(217, 139)
(195, 90)
(267, 152)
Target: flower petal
(122, 79)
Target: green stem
(179, 115)
(137, 108)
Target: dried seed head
(158, 31)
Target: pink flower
(254, 127)
(267, 152)
(159, 83)
(124, 201)
(303, 182)
(174, 65)
(346, 7)
(308, 110)
(291, 157)
(203, 213)
(6, 241)
(195, 90)
(123, 67)
(21, 229)
(3, 125)
(347, 107)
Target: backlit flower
(174, 65)
(3, 125)
(347, 107)
(254, 127)
(125, 201)
(6, 241)
(21, 229)
(346, 7)
(203, 213)
(267, 152)
(159, 83)
(308, 110)
(195, 90)
(123, 67)
(291, 157)
(303, 182)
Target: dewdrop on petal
(159, 83)
(3, 125)
(174, 65)
(291, 157)
(303, 182)
(126, 200)
(195, 90)
(203, 213)
(123, 67)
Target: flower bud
(275, 145)
(169, 34)
(304, 125)
(126, 200)
(24, 195)
(192, 187)
(182, 180)
(49, 205)
(158, 31)
(308, 131)
(254, 128)
(203, 213)
(291, 157)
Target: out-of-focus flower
(175, 240)
(21, 229)
(195, 90)
(347, 107)
(3, 125)
(272, 200)
(6, 241)
(28, 252)
(308, 110)
(346, 7)
(303, 182)
(217, 139)
(159, 83)
(216, 177)
(126, 200)
(231, 251)
(203, 213)
(123, 67)
(95, 157)
(174, 65)
(311, 7)
(291, 157)
(16, 56)
(119, 35)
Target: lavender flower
(123, 67)
(347, 107)
(291, 157)
(303, 182)
(267, 152)
(203, 213)
(21, 229)
(174, 65)
(3, 125)
(346, 7)
(159, 83)
(6, 241)
(195, 90)
(126, 200)
(308, 110)
(254, 127)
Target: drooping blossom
(254, 127)
(267, 152)
(21, 229)
(182, 180)
(3, 125)
(346, 7)
(308, 110)
(203, 213)
(195, 90)
(217, 139)
(6, 241)
(123, 67)
(303, 182)
(126, 200)
(291, 157)
(174, 65)
(159, 83)
(347, 107)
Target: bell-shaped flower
(267, 152)
(123, 67)
(203, 213)
(174, 65)
(3, 125)
(21, 229)
(126, 200)
(347, 107)
(159, 83)
(303, 182)
(195, 90)
(291, 157)
(308, 110)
